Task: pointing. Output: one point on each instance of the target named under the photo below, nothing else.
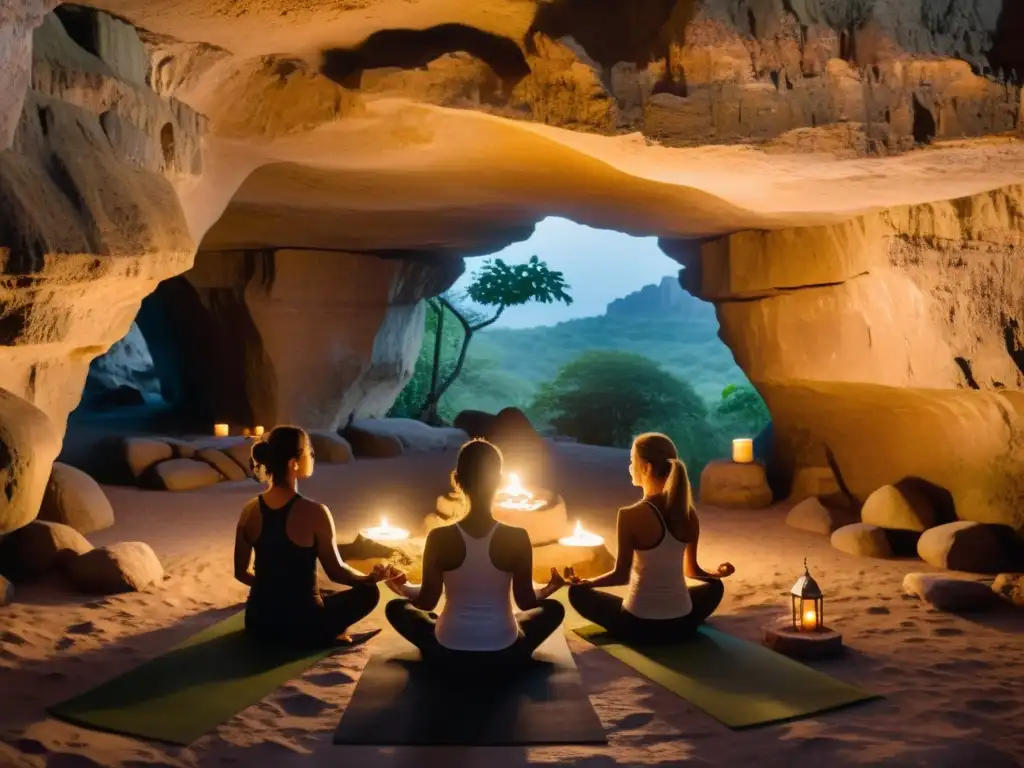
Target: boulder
(6, 592)
(184, 475)
(240, 451)
(223, 463)
(182, 449)
(474, 423)
(330, 448)
(35, 549)
(900, 509)
(128, 566)
(1010, 587)
(953, 595)
(29, 442)
(141, 453)
(862, 540)
(971, 546)
(75, 499)
(415, 436)
(372, 445)
(724, 483)
(813, 516)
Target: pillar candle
(743, 450)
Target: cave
(268, 198)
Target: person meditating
(657, 539)
(289, 533)
(479, 564)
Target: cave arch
(167, 144)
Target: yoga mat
(738, 683)
(192, 688)
(399, 700)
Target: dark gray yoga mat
(400, 701)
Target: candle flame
(579, 529)
(384, 522)
(514, 496)
(810, 618)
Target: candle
(581, 538)
(810, 619)
(220, 430)
(257, 431)
(385, 532)
(743, 450)
(245, 432)
(514, 496)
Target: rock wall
(89, 224)
(300, 337)
(890, 345)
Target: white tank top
(657, 587)
(477, 613)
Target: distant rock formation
(664, 298)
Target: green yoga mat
(738, 683)
(192, 688)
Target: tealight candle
(257, 431)
(220, 430)
(385, 532)
(514, 497)
(581, 538)
(743, 450)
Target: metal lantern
(808, 604)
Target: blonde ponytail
(678, 494)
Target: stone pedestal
(724, 483)
(546, 524)
(782, 638)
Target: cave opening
(630, 327)
(924, 128)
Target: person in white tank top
(480, 565)
(657, 551)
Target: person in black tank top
(289, 534)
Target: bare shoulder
(312, 510)
(513, 537)
(250, 507)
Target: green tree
(436, 333)
(742, 409)
(606, 397)
(497, 285)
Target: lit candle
(810, 619)
(385, 532)
(245, 432)
(220, 430)
(743, 450)
(514, 496)
(581, 538)
(257, 431)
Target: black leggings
(418, 627)
(322, 626)
(605, 610)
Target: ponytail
(678, 495)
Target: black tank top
(285, 573)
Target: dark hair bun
(260, 453)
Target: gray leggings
(605, 610)
(418, 627)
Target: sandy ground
(953, 687)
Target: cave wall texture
(840, 177)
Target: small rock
(75, 499)
(862, 540)
(223, 463)
(724, 483)
(185, 475)
(6, 592)
(142, 453)
(947, 594)
(971, 546)
(182, 449)
(128, 566)
(1010, 586)
(899, 509)
(811, 515)
(31, 551)
(330, 448)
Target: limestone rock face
(28, 444)
(898, 336)
(75, 499)
(863, 540)
(299, 337)
(35, 549)
(128, 566)
(724, 483)
(973, 547)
